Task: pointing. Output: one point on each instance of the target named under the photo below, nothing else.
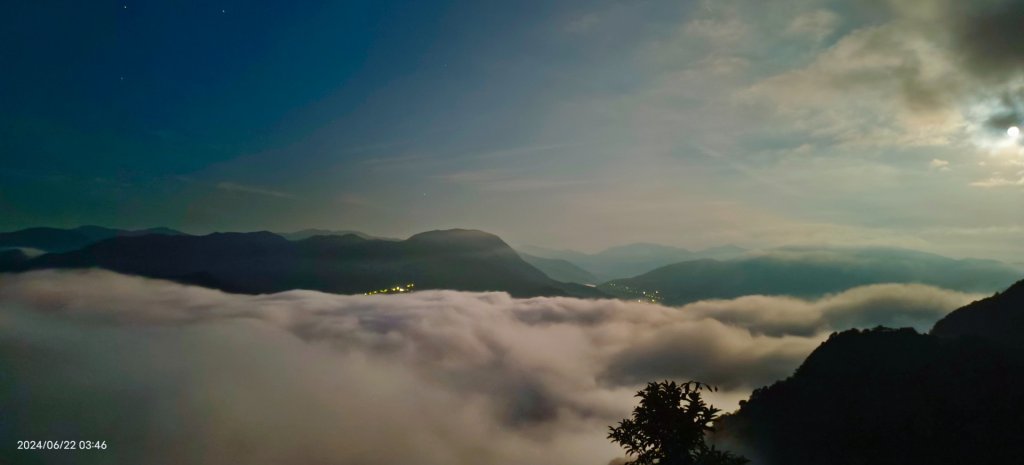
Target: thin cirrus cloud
(179, 374)
(939, 164)
(242, 188)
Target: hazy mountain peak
(470, 237)
(254, 235)
(632, 259)
(310, 232)
(560, 270)
(335, 239)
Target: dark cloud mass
(1010, 111)
(985, 43)
(985, 46)
(168, 373)
(987, 36)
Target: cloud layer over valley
(168, 373)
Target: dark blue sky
(158, 88)
(111, 106)
(573, 123)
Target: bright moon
(1014, 131)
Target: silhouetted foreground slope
(897, 397)
(263, 262)
(814, 272)
(999, 318)
(12, 258)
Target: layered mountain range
(352, 262)
(628, 260)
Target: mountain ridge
(560, 270)
(632, 259)
(810, 273)
(999, 318)
(264, 262)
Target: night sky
(562, 124)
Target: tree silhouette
(668, 427)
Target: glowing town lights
(393, 290)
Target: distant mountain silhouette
(888, 396)
(805, 272)
(630, 260)
(560, 270)
(62, 240)
(264, 262)
(308, 233)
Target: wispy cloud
(746, 170)
(816, 24)
(507, 180)
(354, 200)
(396, 159)
(520, 150)
(235, 187)
(999, 181)
(939, 164)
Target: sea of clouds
(169, 373)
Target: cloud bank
(168, 373)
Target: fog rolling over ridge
(812, 272)
(170, 373)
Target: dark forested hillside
(888, 396)
(999, 318)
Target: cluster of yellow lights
(397, 289)
(643, 295)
